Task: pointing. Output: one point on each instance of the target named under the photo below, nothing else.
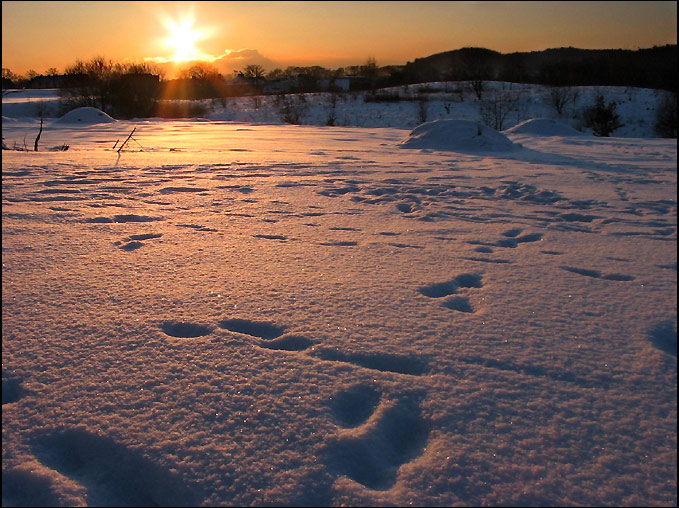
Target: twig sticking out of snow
(125, 142)
(35, 146)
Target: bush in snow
(291, 109)
(560, 96)
(666, 116)
(422, 108)
(602, 118)
(496, 108)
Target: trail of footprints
(511, 239)
(377, 436)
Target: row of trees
(651, 68)
(647, 68)
(202, 71)
(121, 90)
(134, 90)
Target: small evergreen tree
(602, 118)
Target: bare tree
(8, 74)
(369, 68)
(94, 84)
(422, 108)
(275, 74)
(201, 71)
(118, 89)
(560, 97)
(666, 115)
(291, 109)
(497, 107)
(254, 71)
(475, 71)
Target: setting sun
(183, 38)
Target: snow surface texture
(245, 314)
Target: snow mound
(457, 136)
(85, 116)
(543, 127)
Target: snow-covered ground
(251, 314)
(636, 106)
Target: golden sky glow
(39, 35)
(182, 39)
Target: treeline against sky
(137, 90)
(644, 68)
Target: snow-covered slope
(445, 100)
(543, 127)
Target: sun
(183, 38)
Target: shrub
(495, 109)
(291, 110)
(121, 90)
(422, 108)
(666, 116)
(560, 96)
(602, 118)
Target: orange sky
(39, 35)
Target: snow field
(245, 314)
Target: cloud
(229, 61)
(237, 59)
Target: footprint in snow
(372, 453)
(596, 274)
(111, 473)
(451, 287)
(272, 336)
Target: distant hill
(647, 68)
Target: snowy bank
(84, 116)
(458, 136)
(543, 127)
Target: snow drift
(457, 136)
(85, 116)
(543, 127)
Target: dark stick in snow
(128, 138)
(35, 147)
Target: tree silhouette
(254, 71)
(602, 118)
(201, 71)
